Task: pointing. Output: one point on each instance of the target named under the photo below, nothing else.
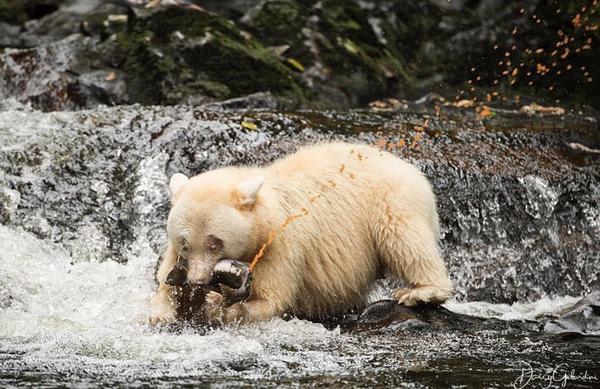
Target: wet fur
(367, 212)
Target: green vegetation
(191, 53)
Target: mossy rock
(354, 60)
(173, 53)
(277, 21)
(362, 65)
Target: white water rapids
(84, 315)
(67, 315)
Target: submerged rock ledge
(519, 208)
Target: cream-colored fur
(352, 211)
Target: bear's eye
(214, 244)
(183, 247)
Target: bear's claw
(215, 303)
(422, 294)
(214, 298)
(161, 319)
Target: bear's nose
(177, 276)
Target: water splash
(58, 313)
(515, 311)
(541, 198)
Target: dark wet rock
(160, 56)
(59, 76)
(30, 23)
(20, 11)
(9, 200)
(582, 317)
(389, 315)
(402, 48)
(467, 346)
(519, 214)
(315, 54)
(340, 51)
(259, 100)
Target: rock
(259, 100)
(20, 11)
(57, 76)
(188, 52)
(164, 56)
(583, 318)
(36, 22)
(344, 56)
(9, 201)
(389, 315)
(315, 54)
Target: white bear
(328, 220)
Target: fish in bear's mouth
(233, 278)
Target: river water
(67, 320)
(74, 293)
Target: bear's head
(212, 217)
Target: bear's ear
(177, 182)
(245, 192)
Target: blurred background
(72, 54)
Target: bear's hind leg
(409, 251)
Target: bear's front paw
(214, 306)
(162, 315)
(421, 294)
(406, 297)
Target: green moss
(98, 24)
(143, 68)
(211, 88)
(248, 65)
(163, 23)
(174, 53)
(363, 66)
(278, 21)
(355, 59)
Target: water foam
(61, 313)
